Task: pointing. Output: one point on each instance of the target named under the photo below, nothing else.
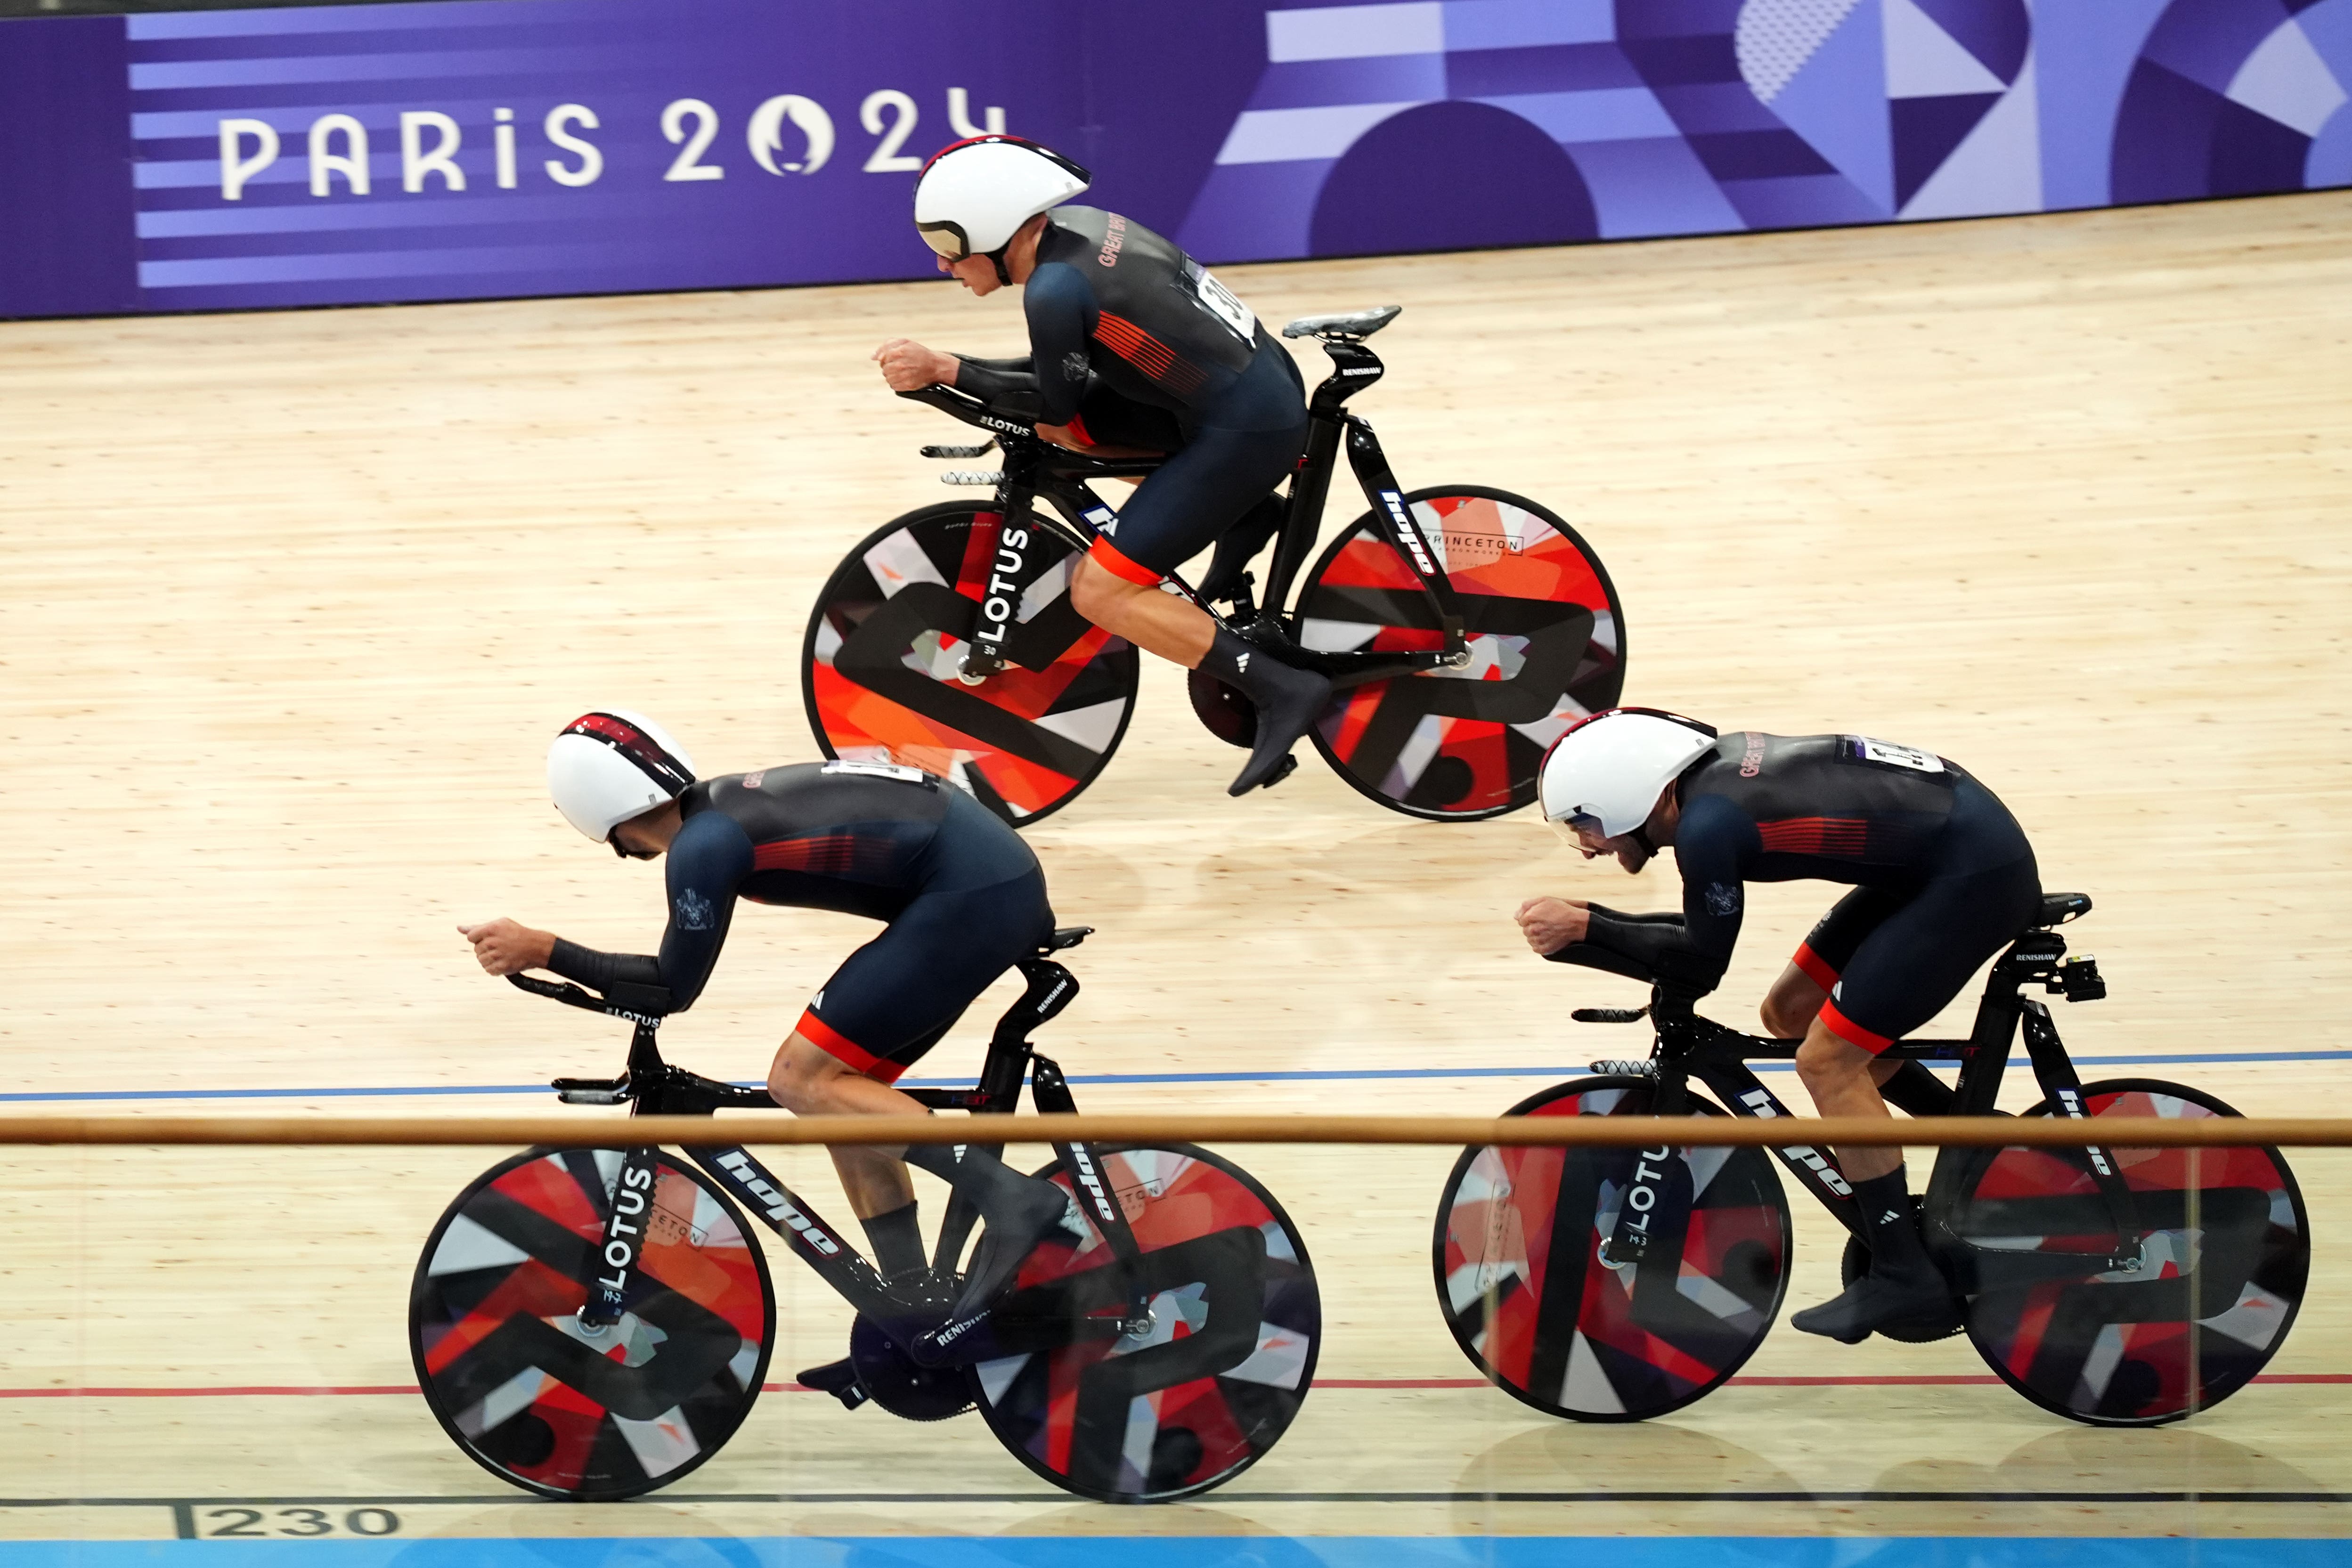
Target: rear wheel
(1190, 1402)
(1523, 1288)
(1547, 646)
(2224, 1255)
(880, 666)
(538, 1401)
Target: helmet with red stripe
(973, 195)
(607, 766)
(1608, 770)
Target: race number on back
(1886, 754)
(1221, 303)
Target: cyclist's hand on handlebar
(1551, 923)
(907, 366)
(509, 947)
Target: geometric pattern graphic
(1219, 1359)
(1381, 127)
(1546, 642)
(2237, 97)
(542, 1401)
(883, 660)
(1532, 1303)
(2224, 1254)
(455, 148)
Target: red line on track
(232, 1391)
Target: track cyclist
(1134, 347)
(1942, 877)
(963, 899)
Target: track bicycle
(2117, 1287)
(1463, 628)
(590, 1323)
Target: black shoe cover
(1288, 701)
(1901, 1287)
(1004, 1246)
(1872, 1303)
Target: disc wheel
(538, 1401)
(879, 669)
(1523, 1289)
(1193, 1399)
(2132, 1347)
(1547, 646)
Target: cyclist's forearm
(1008, 386)
(600, 972)
(1659, 945)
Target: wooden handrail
(591, 1130)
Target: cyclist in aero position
(964, 898)
(1134, 347)
(1942, 875)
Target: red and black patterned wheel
(1547, 647)
(2223, 1255)
(1522, 1285)
(1193, 1399)
(537, 1400)
(880, 669)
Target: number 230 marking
(253, 1524)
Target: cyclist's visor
(1569, 826)
(948, 239)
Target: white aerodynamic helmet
(974, 194)
(1612, 767)
(605, 767)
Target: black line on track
(183, 1508)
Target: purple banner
(468, 149)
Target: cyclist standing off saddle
(963, 899)
(1943, 879)
(1134, 347)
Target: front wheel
(1536, 1308)
(881, 666)
(1547, 647)
(2224, 1252)
(1226, 1324)
(541, 1403)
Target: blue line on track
(1341, 1074)
(1198, 1552)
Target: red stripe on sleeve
(840, 1047)
(1106, 555)
(1852, 1033)
(1816, 968)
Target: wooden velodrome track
(291, 603)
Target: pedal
(974, 476)
(1624, 1069)
(1289, 766)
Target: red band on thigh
(1106, 555)
(1816, 968)
(839, 1046)
(1852, 1033)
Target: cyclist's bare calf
(808, 1081)
(1157, 622)
(1843, 1079)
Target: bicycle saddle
(1353, 324)
(1065, 936)
(2057, 908)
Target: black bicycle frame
(1689, 1046)
(1035, 469)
